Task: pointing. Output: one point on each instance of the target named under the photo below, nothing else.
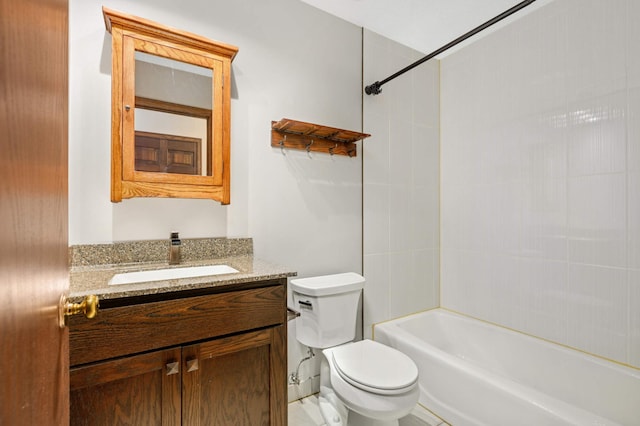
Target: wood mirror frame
(131, 34)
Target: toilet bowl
(363, 382)
(373, 380)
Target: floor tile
(306, 412)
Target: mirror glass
(173, 110)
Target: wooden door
(135, 390)
(33, 211)
(238, 380)
(157, 152)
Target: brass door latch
(89, 307)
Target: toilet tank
(328, 308)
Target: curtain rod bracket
(373, 89)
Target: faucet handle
(174, 249)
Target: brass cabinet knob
(173, 367)
(192, 365)
(89, 307)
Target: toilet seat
(374, 367)
(376, 390)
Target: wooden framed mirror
(170, 112)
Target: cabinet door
(238, 380)
(187, 71)
(135, 390)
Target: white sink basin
(171, 274)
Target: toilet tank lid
(328, 284)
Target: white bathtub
(475, 373)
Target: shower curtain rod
(374, 88)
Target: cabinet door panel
(135, 390)
(232, 385)
(235, 388)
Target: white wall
(295, 62)
(540, 177)
(302, 210)
(401, 184)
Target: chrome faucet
(174, 249)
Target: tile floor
(306, 412)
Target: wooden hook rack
(293, 134)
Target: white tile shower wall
(540, 169)
(401, 184)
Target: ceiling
(424, 25)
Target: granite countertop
(85, 280)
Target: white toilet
(361, 383)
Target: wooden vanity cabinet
(170, 374)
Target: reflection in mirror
(172, 116)
(170, 143)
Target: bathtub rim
(576, 414)
(524, 333)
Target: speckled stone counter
(92, 276)
(124, 252)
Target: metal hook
(308, 147)
(281, 143)
(332, 148)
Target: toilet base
(356, 419)
(335, 413)
(332, 409)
